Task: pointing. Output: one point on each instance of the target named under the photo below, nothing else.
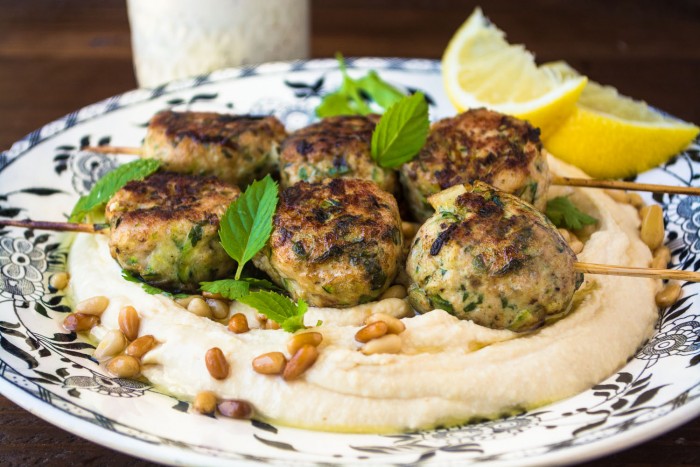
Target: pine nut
(394, 325)
(93, 305)
(303, 338)
(111, 344)
(141, 346)
(183, 302)
(668, 295)
(262, 319)
(270, 324)
(236, 409)
(565, 234)
(216, 296)
(271, 363)
(216, 363)
(129, 322)
(199, 307)
(395, 291)
(643, 211)
(662, 256)
(658, 262)
(618, 195)
(205, 402)
(124, 366)
(300, 362)
(392, 306)
(219, 308)
(371, 331)
(636, 200)
(238, 324)
(391, 343)
(576, 246)
(78, 322)
(652, 230)
(59, 281)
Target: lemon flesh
(609, 135)
(481, 69)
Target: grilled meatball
(335, 243)
(334, 147)
(478, 145)
(235, 148)
(489, 257)
(164, 229)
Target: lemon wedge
(481, 69)
(609, 135)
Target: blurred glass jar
(173, 39)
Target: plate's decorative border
(627, 400)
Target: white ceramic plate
(50, 373)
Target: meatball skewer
(488, 256)
(335, 243)
(235, 148)
(164, 229)
(498, 149)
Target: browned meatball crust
(489, 257)
(234, 148)
(164, 229)
(334, 147)
(478, 144)
(335, 243)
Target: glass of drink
(174, 39)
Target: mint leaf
(233, 289)
(334, 104)
(247, 224)
(401, 132)
(350, 98)
(379, 90)
(228, 288)
(563, 213)
(278, 308)
(108, 185)
(262, 284)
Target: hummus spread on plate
(447, 372)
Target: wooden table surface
(59, 55)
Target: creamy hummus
(448, 371)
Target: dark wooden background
(59, 55)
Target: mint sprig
(278, 308)
(401, 132)
(108, 185)
(233, 289)
(351, 97)
(563, 213)
(228, 288)
(247, 223)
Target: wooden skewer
(57, 226)
(113, 150)
(589, 268)
(609, 270)
(622, 185)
